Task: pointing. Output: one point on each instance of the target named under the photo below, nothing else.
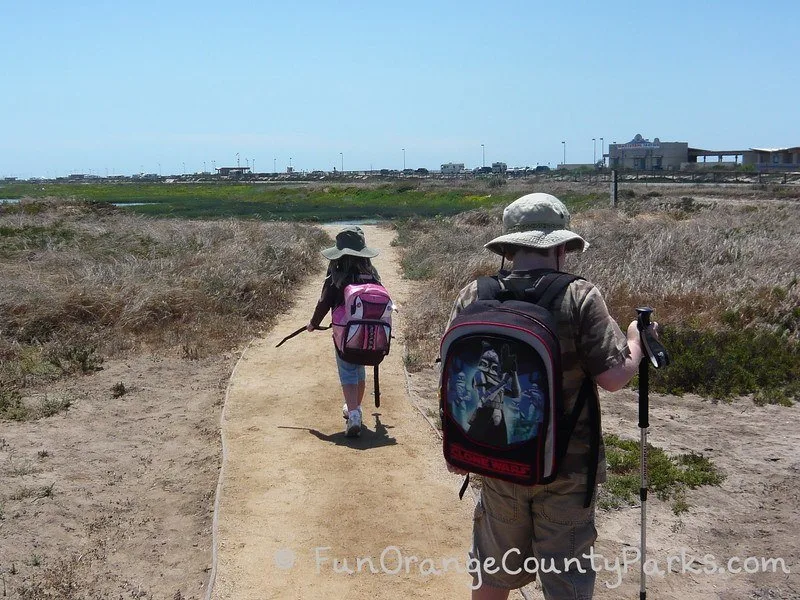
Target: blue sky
(121, 88)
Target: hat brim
(538, 239)
(336, 253)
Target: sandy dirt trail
(298, 495)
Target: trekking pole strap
(654, 351)
(463, 487)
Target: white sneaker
(346, 412)
(353, 424)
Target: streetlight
(602, 153)
(214, 164)
(594, 151)
(483, 152)
(184, 169)
(404, 159)
(342, 157)
(237, 160)
(564, 145)
(253, 161)
(274, 165)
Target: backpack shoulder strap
(549, 287)
(489, 288)
(587, 399)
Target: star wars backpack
(501, 403)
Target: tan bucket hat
(537, 221)
(351, 241)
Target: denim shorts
(349, 374)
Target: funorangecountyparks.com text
(393, 561)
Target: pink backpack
(362, 326)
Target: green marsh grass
(299, 202)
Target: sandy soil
(129, 511)
(294, 485)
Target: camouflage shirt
(591, 343)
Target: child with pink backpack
(361, 318)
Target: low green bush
(668, 476)
(727, 363)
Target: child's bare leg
(351, 395)
(362, 386)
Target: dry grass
(80, 285)
(704, 265)
(697, 265)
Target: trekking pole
(377, 388)
(656, 355)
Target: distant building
(452, 168)
(643, 154)
(773, 158)
(499, 168)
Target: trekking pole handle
(642, 323)
(643, 317)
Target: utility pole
(594, 151)
(404, 159)
(483, 153)
(564, 145)
(342, 157)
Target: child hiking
(349, 266)
(552, 343)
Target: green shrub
(723, 364)
(668, 477)
(11, 406)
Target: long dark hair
(347, 269)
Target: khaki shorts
(529, 530)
